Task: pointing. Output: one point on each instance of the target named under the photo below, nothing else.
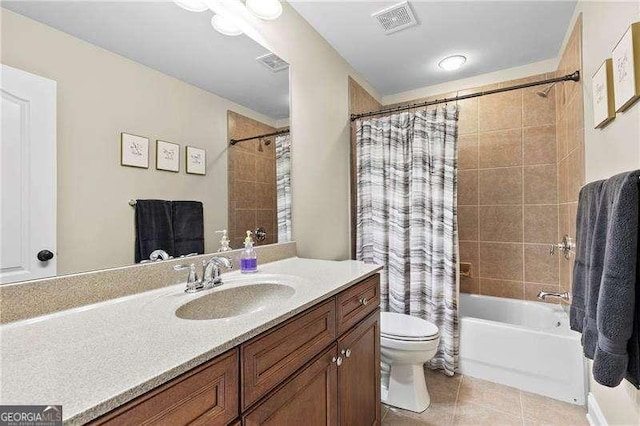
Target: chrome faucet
(543, 295)
(210, 277)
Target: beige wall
(320, 134)
(101, 94)
(612, 150)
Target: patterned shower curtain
(283, 186)
(407, 219)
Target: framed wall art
(626, 68)
(196, 161)
(167, 156)
(134, 151)
(604, 109)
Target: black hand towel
(188, 227)
(154, 230)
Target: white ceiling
(176, 42)
(493, 35)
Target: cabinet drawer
(269, 359)
(355, 303)
(309, 398)
(207, 395)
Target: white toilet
(406, 343)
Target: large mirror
(117, 123)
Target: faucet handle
(192, 280)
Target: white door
(28, 173)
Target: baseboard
(594, 413)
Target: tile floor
(462, 400)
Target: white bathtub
(526, 345)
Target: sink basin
(235, 301)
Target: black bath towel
(610, 329)
(188, 227)
(154, 229)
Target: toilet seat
(405, 328)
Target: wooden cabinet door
(206, 395)
(359, 374)
(270, 358)
(309, 398)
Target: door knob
(44, 255)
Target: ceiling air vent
(273, 62)
(396, 17)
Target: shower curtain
(407, 219)
(283, 187)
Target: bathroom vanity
(323, 366)
(312, 354)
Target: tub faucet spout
(543, 295)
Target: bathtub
(522, 344)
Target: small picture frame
(196, 159)
(626, 68)
(167, 156)
(134, 151)
(604, 109)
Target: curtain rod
(569, 77)
(279, 132)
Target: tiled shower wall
(507, 191)
(252, 180)
(570, 124)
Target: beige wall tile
(561, 137)
(540, 185)
(539, 265)
(541, 224)
(500, 111)
(501, 223)
(575, 121)
(469, 285)
(467, 187)
(245, 194)
(469, 253)
(468, 151)
(501, 261)
(500, 186)
(468, 116)
(265, 170)
(468, 223)
(536, 110)
(244, 166)
(575, 173)
(502, 288)
(539, 145)
(500, 149)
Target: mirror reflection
(117, 123)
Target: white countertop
(92, 359)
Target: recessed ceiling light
(192, 5)
(452, 63)
(265, 9)
(225, 26)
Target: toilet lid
(406, 327)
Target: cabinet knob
(346, 352)
(337, 360)
(363, 301)
(44, 255)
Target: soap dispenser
(249, 258)
(224, 241)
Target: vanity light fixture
(192, 5)
(452, 63)
(225, 26)
(265, 9)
